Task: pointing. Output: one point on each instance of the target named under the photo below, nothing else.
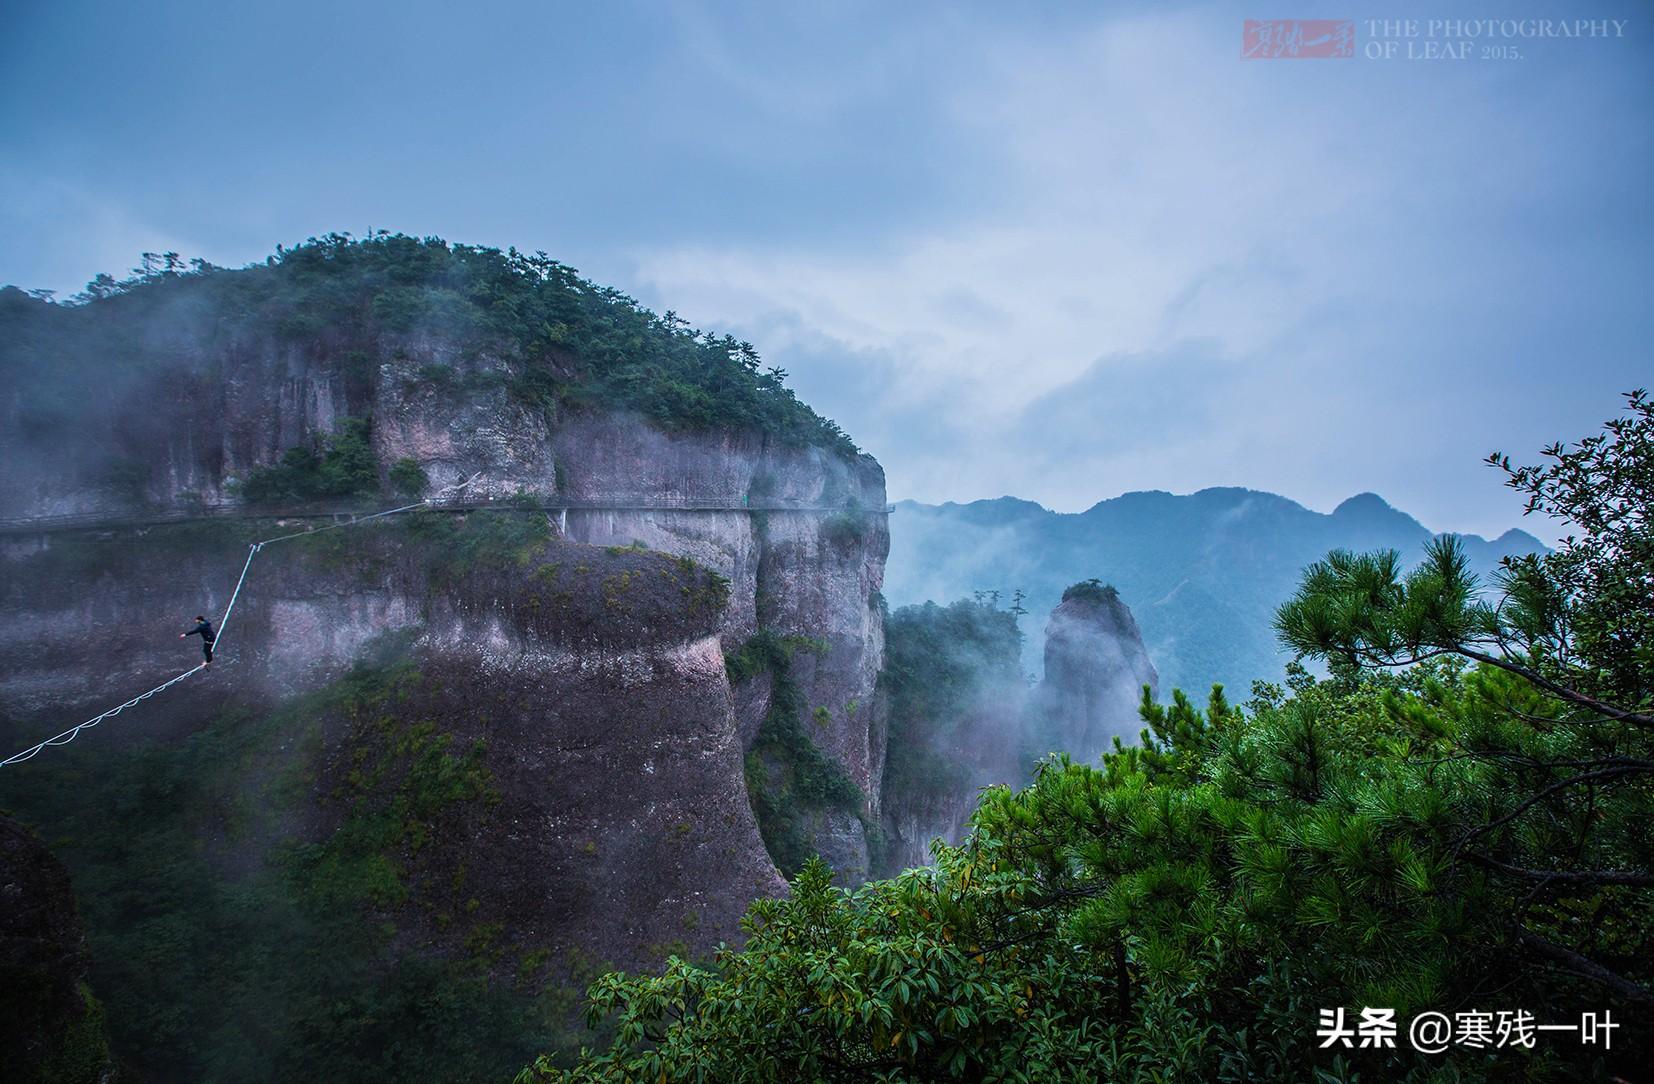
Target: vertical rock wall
(799, 532)
(1095, 670)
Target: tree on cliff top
(577, 344)
(1453, 823)
(1092, 590)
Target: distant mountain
(1203, 573)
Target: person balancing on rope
(204, 628)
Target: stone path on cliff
(448, 499)
(80, 521)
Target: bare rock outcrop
(1095, 670)
(799, 531)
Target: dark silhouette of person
(203, 628)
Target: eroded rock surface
(1095, 670)
(799, 531)
(584, 689)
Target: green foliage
(1181, 912)
(1586, 611)
(570, 344)
(402, 779)
(764, 652)
(704, 592)
(344, 466)
(80, 1053)
(223, 951)
(845, 530)
(787, 777)
(1092, 590)
(1455, 820)
(1572, 770)
(128, 479)
(493, 538)
(943, 665)
(407, 478)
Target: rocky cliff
(1095, 670)
(584, 686)
(955, 699)
(51, 1026)
(524, 736)
(167, 399)
(984, 745)
(963, 717)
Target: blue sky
(1057, 251)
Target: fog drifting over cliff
(1060, 254)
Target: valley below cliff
(1202, 572)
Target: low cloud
(1315, 279)
(1057, 252)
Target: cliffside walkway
(439, 503)
(91, 521)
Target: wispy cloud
(1318, 279)
(1058, 252)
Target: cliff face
(984, 746)
(455, 761)
(582, 690)
(956, 696)
(799, 531)
(962, 716)
(1095, 670)
(809, 561)
(51, 1027)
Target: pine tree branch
(1615, 772)
(1583, 966)
(1527, 673)
(1562, 692)
(1635, 878)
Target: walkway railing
(108, 521)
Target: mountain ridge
(1203, 571)
(1346, 506)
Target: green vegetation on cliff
(943, 665)
(787, 777)
(306, 892)
(343, 466)
(572, 344)
(1092, 590)
(224, 948)
(1455, 821)
(52, 1028)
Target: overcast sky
(1058, 252)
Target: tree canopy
(1452, 822)
(575, 345)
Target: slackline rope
(252, 551)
